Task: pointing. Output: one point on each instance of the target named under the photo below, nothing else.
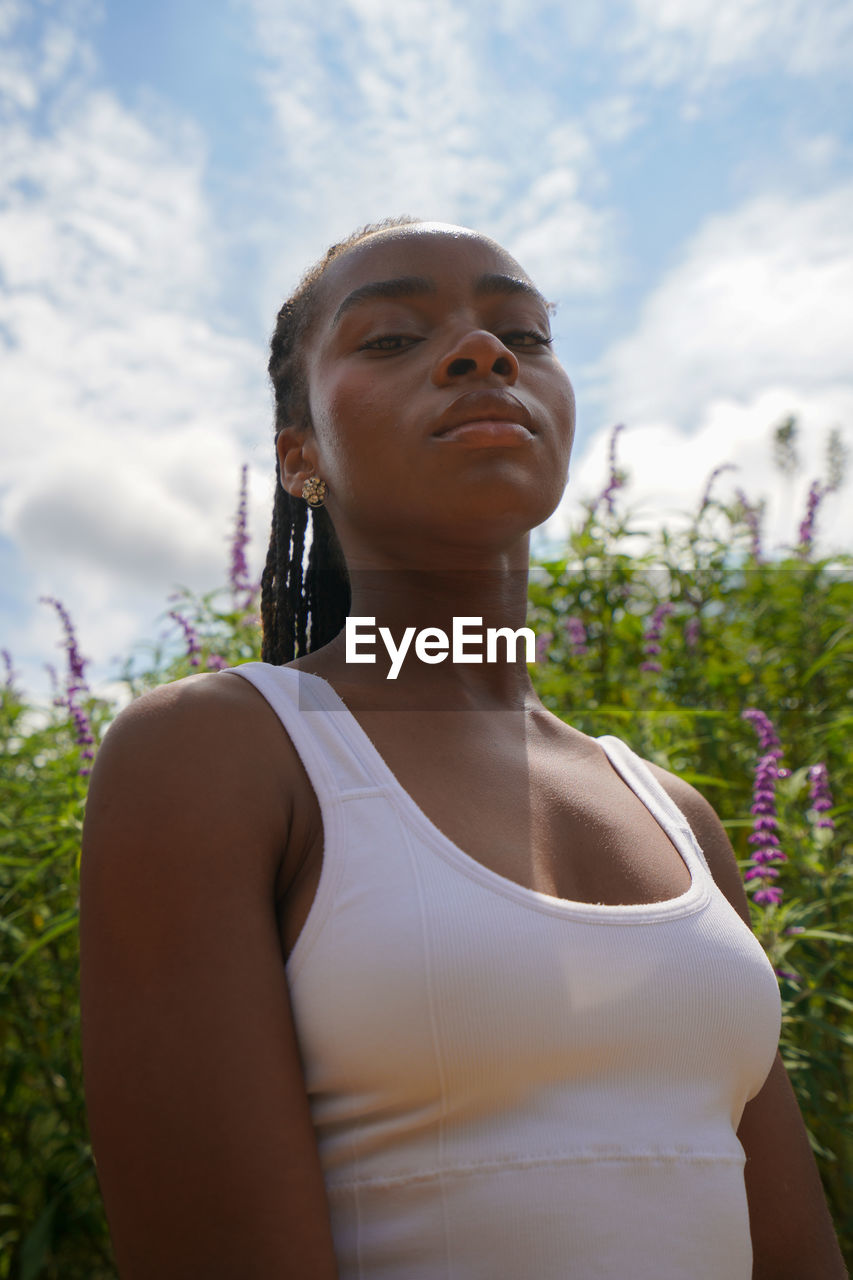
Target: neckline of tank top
(650, 794)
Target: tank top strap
(310, 712)
(657, 800)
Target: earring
(314, 491)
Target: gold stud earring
(314, 491)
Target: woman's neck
(403, 618)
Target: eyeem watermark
(432, 645)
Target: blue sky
(675, 174)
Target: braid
(302, 607)
(328, 604)
(281, 581)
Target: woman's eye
(526, 338)
(388, 342)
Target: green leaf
(63, 924)
(36, 1245)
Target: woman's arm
(792, 1233)
(199, 1118)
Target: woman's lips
(487, 433)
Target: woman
(522, 1031)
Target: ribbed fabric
(507, 1085)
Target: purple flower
(766, 851)
(806, 535)
(576, 632)
(616, 478)
(83, 736)
(769, 852)
(768, 739)
(10, 670)
(692, 628)
(239, 572)
(651, 639)
(215, 662)
(543, 644)
(76, 664)
(820, 796)
(752, 519)
(789, 974)
(718, 471)
(191, 637)
(75, 689)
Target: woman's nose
(479, 353)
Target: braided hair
(303, 606)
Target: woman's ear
(297, 458)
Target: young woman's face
(439, 412)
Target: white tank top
(506, 1085)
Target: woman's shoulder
(208, 698)
(203, 754)
(200, 716)
(710, 834)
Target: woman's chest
(546, 811)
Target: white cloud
(613, 118)
(694, 41)
(558, 239)
(815, 153)
(668, 469)
(695, 45)
(126, 394)
(413, 115)
(761, 297)
(392, 115)
(751, 328)
(751, 325)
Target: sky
(675, 174)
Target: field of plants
(721, 659)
